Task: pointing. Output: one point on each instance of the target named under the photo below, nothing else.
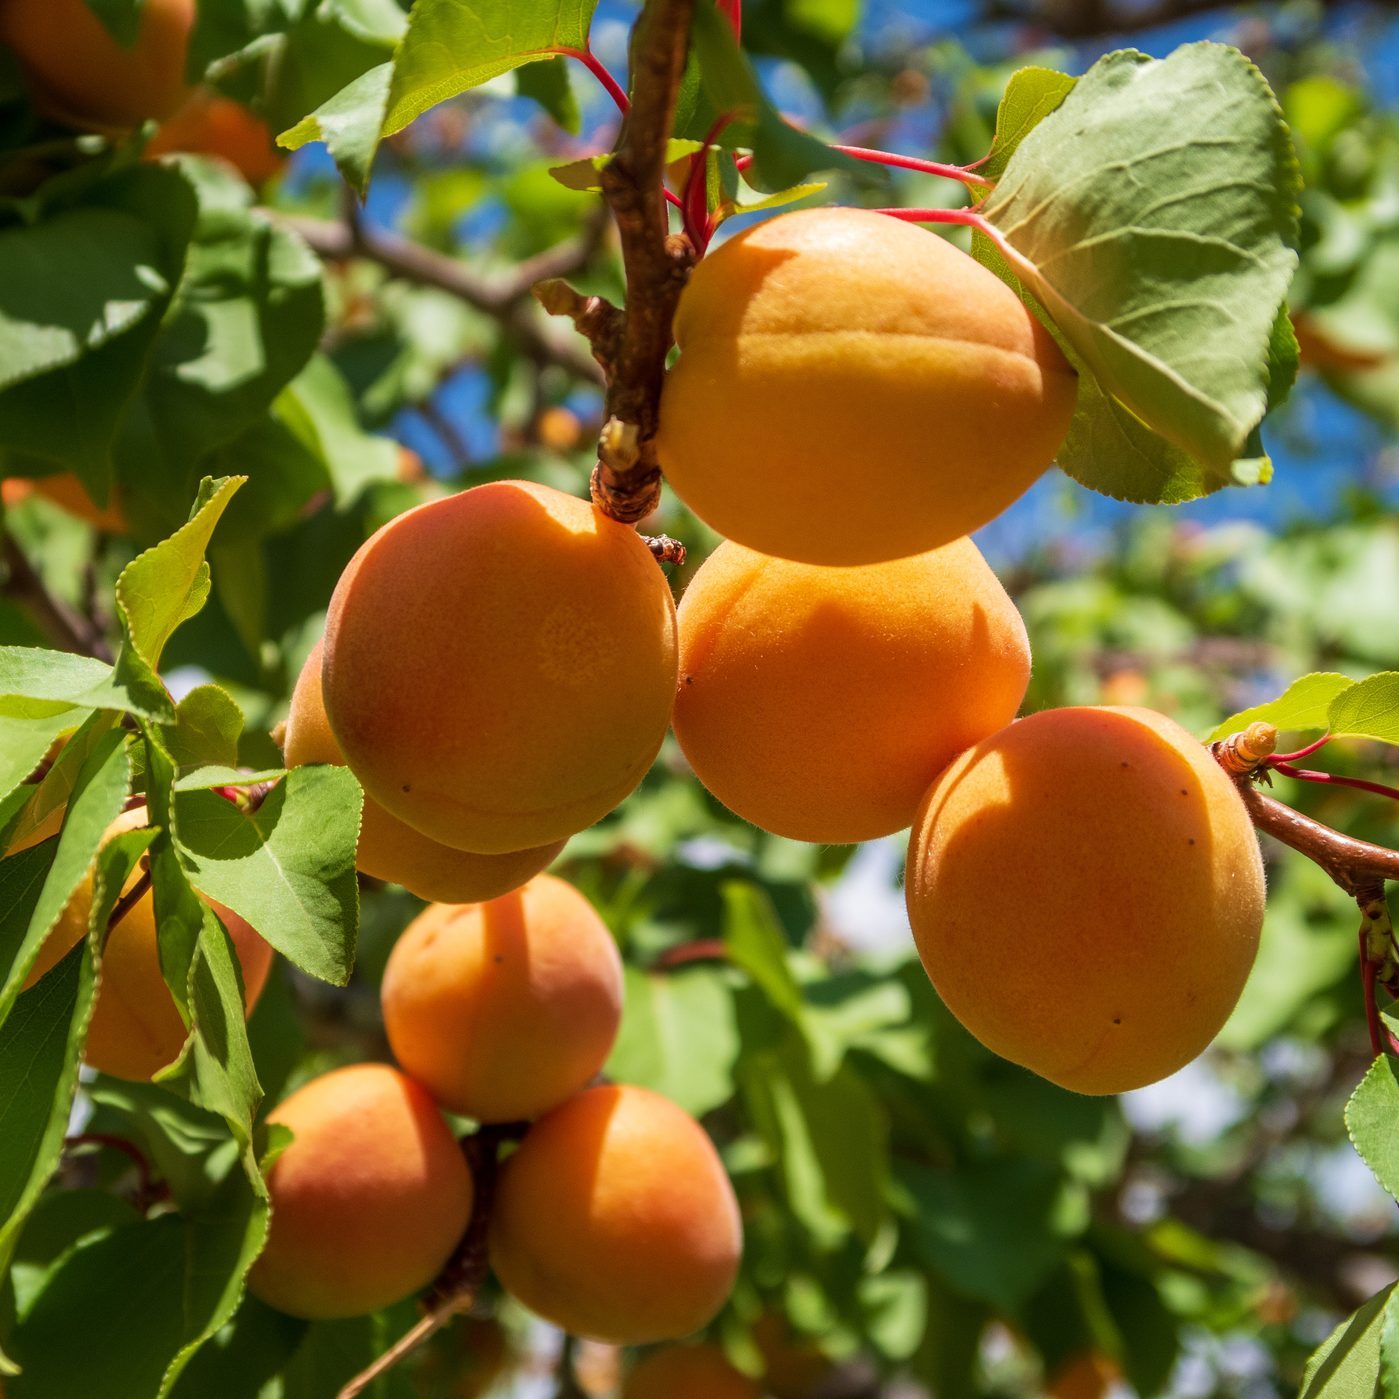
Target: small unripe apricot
(79, 74)
(499, 666)
(391, 849)
(851, 388)
(1086, 893)
(688, 1372)
(615, 1219)
(368, 1201)
(504, 1009)
(819, 703)
(210, 124)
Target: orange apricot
(688, 1372)
(504, 1009)
(391, 849)
(615, 1219)
(368, 1200)
(65, 490)
(851, 388)
(1086, 892)
(79, 74)
(792, 1365)
(210, 124)
(1086, 1376)
(819, 703)
(499, 666)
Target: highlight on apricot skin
(819, 703)
(615, 1219)
(500, 665)
(504, 1009)
(211, 124)
(1086, 892)
(368, 1200)
(78, 73)
(688, 1372)
(390, 849)
(881, 393)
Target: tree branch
(626, 482)
(65, 626)
(507, 300)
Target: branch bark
(626, 482)
(65, 626)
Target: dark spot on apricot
(499, 958)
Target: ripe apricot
(499, 665)
(1086, 893)
(391, 849)
(792, 1365)
(66, 491)
(368, 1201)
(688, 1372)
(504, 1009)
(615, 1220)
(210, 124)
(1086, 1376)
(819, 703)
(79, 74)
(851, 388)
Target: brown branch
(505, 299)
(129, 900)
(626, 482)
(1353, 864)
(65, 626)
(458, 1284)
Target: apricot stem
(1360, 784)
(129, 900)
(146, 1190)
(664, 549)
(600, 71)
(969, 217)
(909, 162)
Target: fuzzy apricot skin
(688, 1372)
(79, 74)
(369, 1199)
(819, 703)
(390, 849)
(1086, 892)
(209, 124)
(504, 1009)
(851, 389)
(615, 1220)
(500, 666)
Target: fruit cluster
(613, 1218)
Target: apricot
(79, 74)
(819, 703)
(500, 665)
(1085, 1376)
(66, 491)
(390, 849)
(688, 1372)
(210, 124)
(615, 1220)
(503, 1009)
(851, 389)
(1086, 893)
(368, 1201)
(136, 1027)
(792, 1365)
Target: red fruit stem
(130, 1150)
(1334, 780)
(968, 217)
(909, 162)
(1369, 975)
(732, 10)
(1303, 752)
(698, 224)
(600, 71)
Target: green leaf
(1303, 707)
(548, 84)
(40, 1047)
(165, 586)
(679, 1037)
(143, 1297)
(1152, 215)
(208, 724)
(1368, 709)
(1347, 1365)
(992, 1229)
(756, 944)
(350, 125)
(1030, 96)
(453, 46)
(36, 884)
(1371, 1115)
(288, 868)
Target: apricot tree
(313, 1082)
